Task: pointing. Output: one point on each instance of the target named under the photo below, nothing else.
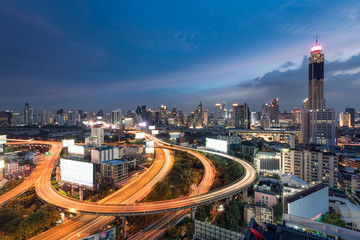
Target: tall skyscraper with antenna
(316, 78)
(317, 123)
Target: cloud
(348, 71)
(160, 39)
(287, 64)
(33, 19)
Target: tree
(334, 219)
(278, 210)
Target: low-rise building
(264, 213)
(131, 149)
(267, 162)
(113, 171)
(309, 203)
(106, 153)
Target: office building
(351, 111)
(345, 119)
(28, 115)
(199, 116)
(316, 78)
(96, 139)
(317, 123)
(271, 110)
(311, 166)
(206, 117)
(116, 118)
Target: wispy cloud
(33, 19)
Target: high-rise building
(322, 126)
(316, 78)
(345, 119)
(241, 116)
(116, 118)
(244, 116)
(317, 123)
(28, 115)
(218, 113)
(311, 166)
(271, 110)
(199, 116)
(45, 118)
(352, 115)
(206, 117)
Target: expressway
(82, 225)
(55, 148)
(47, 193)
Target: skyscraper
(28, 115)
(352, 115)
(116, 118)
(317, 123)
(316, 78)
(206, 117)
(199, 116)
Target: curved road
(46, 192)
(55, 148)
(82, 225)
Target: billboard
(2, 164)
(175, 135)
(2, 139)
(77, 172)
(151, 127)
(139, 135)
(155, 132)
(68, 142)
(142, 124)
(149, 150)
(149, 144)
(217, 145)
(75, 149)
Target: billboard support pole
(81, 193)
(123, 220)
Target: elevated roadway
(83, 225)
(55, 150)
(47, 193)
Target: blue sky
(119, 54)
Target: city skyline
(178, 62)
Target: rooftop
(114, 161)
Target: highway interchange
(125, 206)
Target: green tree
(334, 219)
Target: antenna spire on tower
(316, 41)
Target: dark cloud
(287, 64)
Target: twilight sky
(119, 54)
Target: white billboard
(175, 135)
(217, 145)
(139, 135)
(155, 132)
(142, 124)
(68, 142)
(77, 172)
(75, 149)
(151, 127)
(149, 150)
(150, 144)
(2, 139)
(2, 164)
